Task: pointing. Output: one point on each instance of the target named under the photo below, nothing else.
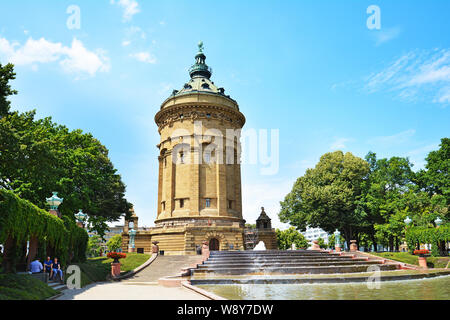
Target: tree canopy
(287, 237)
(368, 200)
(38, 156)
(327, 195)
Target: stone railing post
(205, 251)
(353, 246)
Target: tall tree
(383, 197)
(38, 156)
(436, 178)
(327, 196)
(6, 74)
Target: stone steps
(286, 262)
(281, 259)
(295, 270)
(56, 285)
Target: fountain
(260, 247)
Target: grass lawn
(433, 262)
(23, 287)
(98, 269)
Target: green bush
(417, 235)
(23, 287)
(20, 219)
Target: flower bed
(116, 255)
(421, 253)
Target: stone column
(353, 246)
(205, 251)
(195, 184)
(32, 251)
(155, 247)
(115, 269)
(315, 246)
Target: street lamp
(132, 234)
(438, 221)
(54, 201)
(80, 216)
(337, 242)
(407, 221)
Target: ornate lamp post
(337, 240)
(54, 202)
(131, 246)
(81, 217)
(438, 222)
(407, 222)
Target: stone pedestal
(155, 247)
(353, 246)
(205, 251)
(337, 248)
(315, 245)
(115, 269)
(423, 262)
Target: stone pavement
(143, 285)
(164, 266)
(129, 291)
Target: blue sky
(312, 69)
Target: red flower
(422, 251)
(116, 255)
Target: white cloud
(75, 59)
(396, 139)
(418, 155)
(126, 43)
(386, 34)
(415, 76)
(130, 8)
(265, 194)
(145, 57)
(339, 144)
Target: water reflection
(425, 289)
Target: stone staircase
(287, 262)
(56, 285)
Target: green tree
(115, 243)
(94, 246)
(384, 199)
(436, 178)
(327, 196)
(321, 243)
(287, 237)
(6, 74)
(39, 156)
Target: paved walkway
(129, 291)
(142, 286)
(164, 266)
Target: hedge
(20, 219)
(415, 235)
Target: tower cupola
(200, 68)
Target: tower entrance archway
(214, 244)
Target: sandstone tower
(199, 184)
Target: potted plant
(116, 256)
(423, 254)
